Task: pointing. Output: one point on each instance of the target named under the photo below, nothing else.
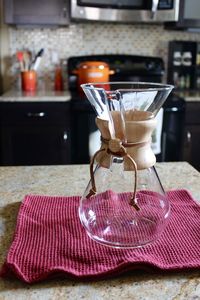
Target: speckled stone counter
(190, 96)
(19, 96)
(48, 95)
(15, 182)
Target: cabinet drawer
(34, 113)
(36, 145)
(192, 115)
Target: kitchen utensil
(20, 57)
(124, 204)
(92, 71)
(37, 60)
(26, 58)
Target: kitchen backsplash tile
(90, 38)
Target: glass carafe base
(110, 219)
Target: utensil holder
(29, 81)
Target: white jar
(177, 58)
(187, 59)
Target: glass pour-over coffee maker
(124, 204)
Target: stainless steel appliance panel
(132, 11)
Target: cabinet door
(34, 145)
(38, 12)
(191, 145)
(34, 133)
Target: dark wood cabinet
(191, 134)
(35, 133)
(37, 12)
(188, 16)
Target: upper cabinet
(36, 12)
(189, 15)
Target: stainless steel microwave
(126, 11)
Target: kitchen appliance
(125, 11)
(85, 134)
(92, 71)
(124, 204)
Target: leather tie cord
(117, 148)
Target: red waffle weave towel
(49, 240)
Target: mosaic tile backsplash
(87, 39)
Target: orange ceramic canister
(92, 72)
(29, 81)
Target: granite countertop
(38, 96)
(190, 96)
(15, 182)
(50, 95)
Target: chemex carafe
(124, 204)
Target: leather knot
(114, 145)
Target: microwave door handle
(154, 8)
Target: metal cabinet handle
(64, 12)
(154, 8)
(189, 137)
(64, 9)
(65, 136)
(36, 115)
(187, 149)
